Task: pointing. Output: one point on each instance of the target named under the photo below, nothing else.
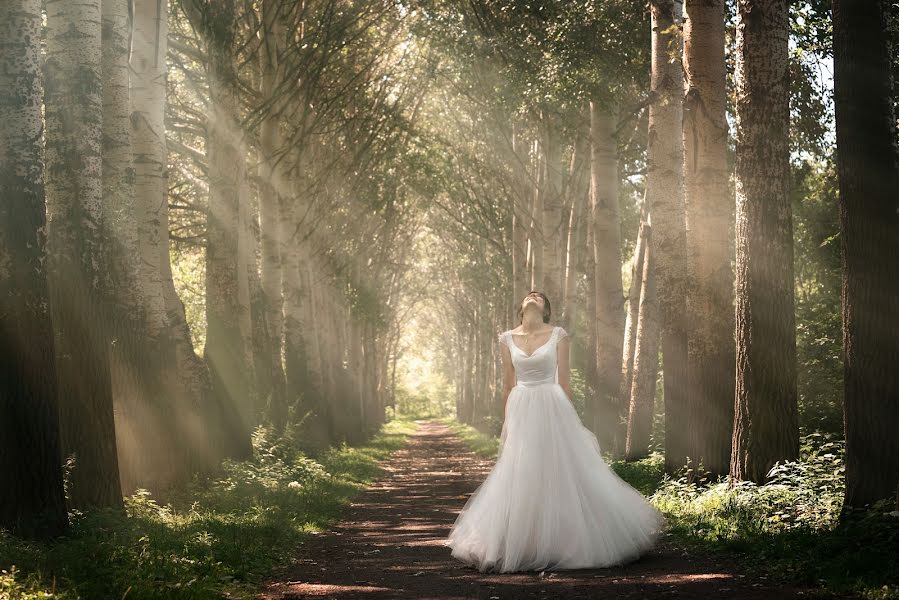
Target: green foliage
(480, 443)
(223, 535)
(819, 341)
(791, 527)
(646, 475)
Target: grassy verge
(789, 529)
(482, 444)
(217, 538)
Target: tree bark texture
(74, 118)
(766, 413)
(665, 201)
(226, 311)
(646, 359)
(32, 503)
(607, 263)
(867, 165)
(710, 311)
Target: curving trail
(389, 546)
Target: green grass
(789, 529)
(221, 537)
(480, 443)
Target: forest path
(388, 545)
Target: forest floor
(389, 545)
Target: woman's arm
(508, 372)
(563, 349)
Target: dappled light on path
(389, 545)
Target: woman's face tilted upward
(535, 301)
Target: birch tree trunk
(134, 380)
(665, 201)
(590, 357)
(574, 253)
(868, 168)
(538, 228)
(632, 317)
(710, 311)
(74, 115)
(646, 358)
(178, 418)
(766, 419)
(32, 503)
(609, 294)
(552, 216)
(119, 222)
(520, 220)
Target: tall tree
(552, 215)
(134, 381)
(868, 169)
(170, 434)
(271, 187)
(646, 356)
(227, 298)
(710, 313)
(632, 317)
(32, 502)
(665, 201)
(607, 264)
(74, 115)
(766, 419)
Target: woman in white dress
(550, 502)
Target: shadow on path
(389, 546)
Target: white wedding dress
(550, 501)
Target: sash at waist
(550, 381)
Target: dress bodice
(540, 366)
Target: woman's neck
(531, 321)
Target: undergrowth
(789, 529)
(482, 444)
(216, 538)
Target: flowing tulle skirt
(550, 501)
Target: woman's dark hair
(547, 309)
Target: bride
(550, 502)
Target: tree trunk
(609, 294)
(135, 381)
(590, 341)
(552, 217)
(632, 318)
(296, 371)
(575, 251)
(74, 115)
(710, 311)
(538, 229)
(766, 414)
(867, 164)
(225, 351)
(270, 188)
(665, 201)
(646, 359)
(32, 503)
(520, 220)
(159, 434)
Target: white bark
(607, 262)
(710, 310)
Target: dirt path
(389, 546)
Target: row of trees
(263, 136)
(583, 128)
